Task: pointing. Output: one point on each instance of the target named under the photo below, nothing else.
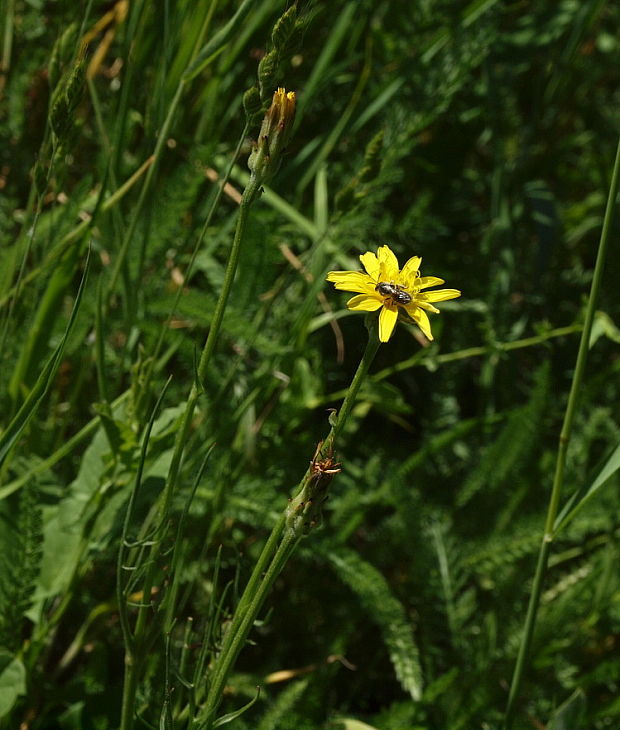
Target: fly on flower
(386, 287)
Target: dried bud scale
(305, 510)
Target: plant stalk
(278, 549)
(133, 659)
(558, 479)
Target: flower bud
(284, 29)
(304, 511)
(252, 105)
(275, 133)
(66, 97)
(267, 72)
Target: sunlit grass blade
(45, 379)
(218, 41)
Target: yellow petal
(364, 303)
(410, 269)
(335, 275)
(338, 275)
(389, 263)
(421, 319)
(371, 264)
(387, 322)
(354, 281)
(440, 295)
(425, 281)
(426, 305)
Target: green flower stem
(278, 549)
(250, 604)
(369, 355)
(558, 479)
(134, 656)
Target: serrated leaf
(511, 446)
(283, 705)
(386, 610)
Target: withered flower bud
(275, 133)
(304, 511)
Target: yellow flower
(384, 286)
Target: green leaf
(218, 41)
(64, 522)
(44, 381)
(21, 540)
(12, 681)
(512, 446)
(570, 714)
(379, 602)
(348, 723)
(230, 716)
(71, 718)
(283, 705)
(121, 437)
(583, 496)
(603, 326)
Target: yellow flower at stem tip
(384, 286)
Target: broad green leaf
(12, 681)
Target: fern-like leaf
(512, 446)
(377, 599)
(22, 559)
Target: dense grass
(479, 136)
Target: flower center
(393, 293)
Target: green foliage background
(479, 136)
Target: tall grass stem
(565, 434)
(133, 658)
